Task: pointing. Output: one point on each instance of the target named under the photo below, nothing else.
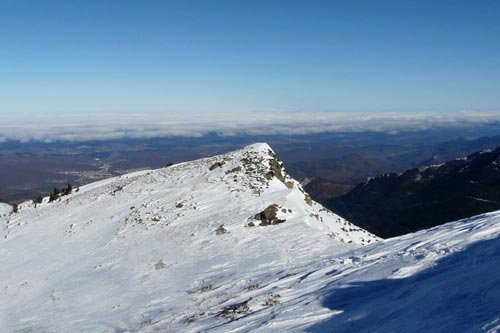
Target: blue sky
(178, 57)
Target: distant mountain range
(393, 204)
(335, 175)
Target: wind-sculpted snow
(233, 244)
(439, 280)
(169, 249)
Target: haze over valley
(249, 166)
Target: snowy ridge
(188, 240)
(174, 250)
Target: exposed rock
(216, 165)
(221, 230)
(269, 216)
(254, 286)
(277, 170)
(272, 300)
(206, 288)
(231, 311)
(236, 169)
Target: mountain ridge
(392, 204)
(173, 234)
(188, 249)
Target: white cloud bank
(85, 127)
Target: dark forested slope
(393, 204)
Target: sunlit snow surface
(172, 250)
(5, 208)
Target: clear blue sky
(236, 56)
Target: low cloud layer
(85, 127)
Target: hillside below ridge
(393, 204)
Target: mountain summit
(164, 249)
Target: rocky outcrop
(268, 216)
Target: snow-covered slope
(5, 208)
(445, 279)
(180, 250)
(168, 249)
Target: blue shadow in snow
(460, 293)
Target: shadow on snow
(460, 293)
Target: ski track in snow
(141, 253)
